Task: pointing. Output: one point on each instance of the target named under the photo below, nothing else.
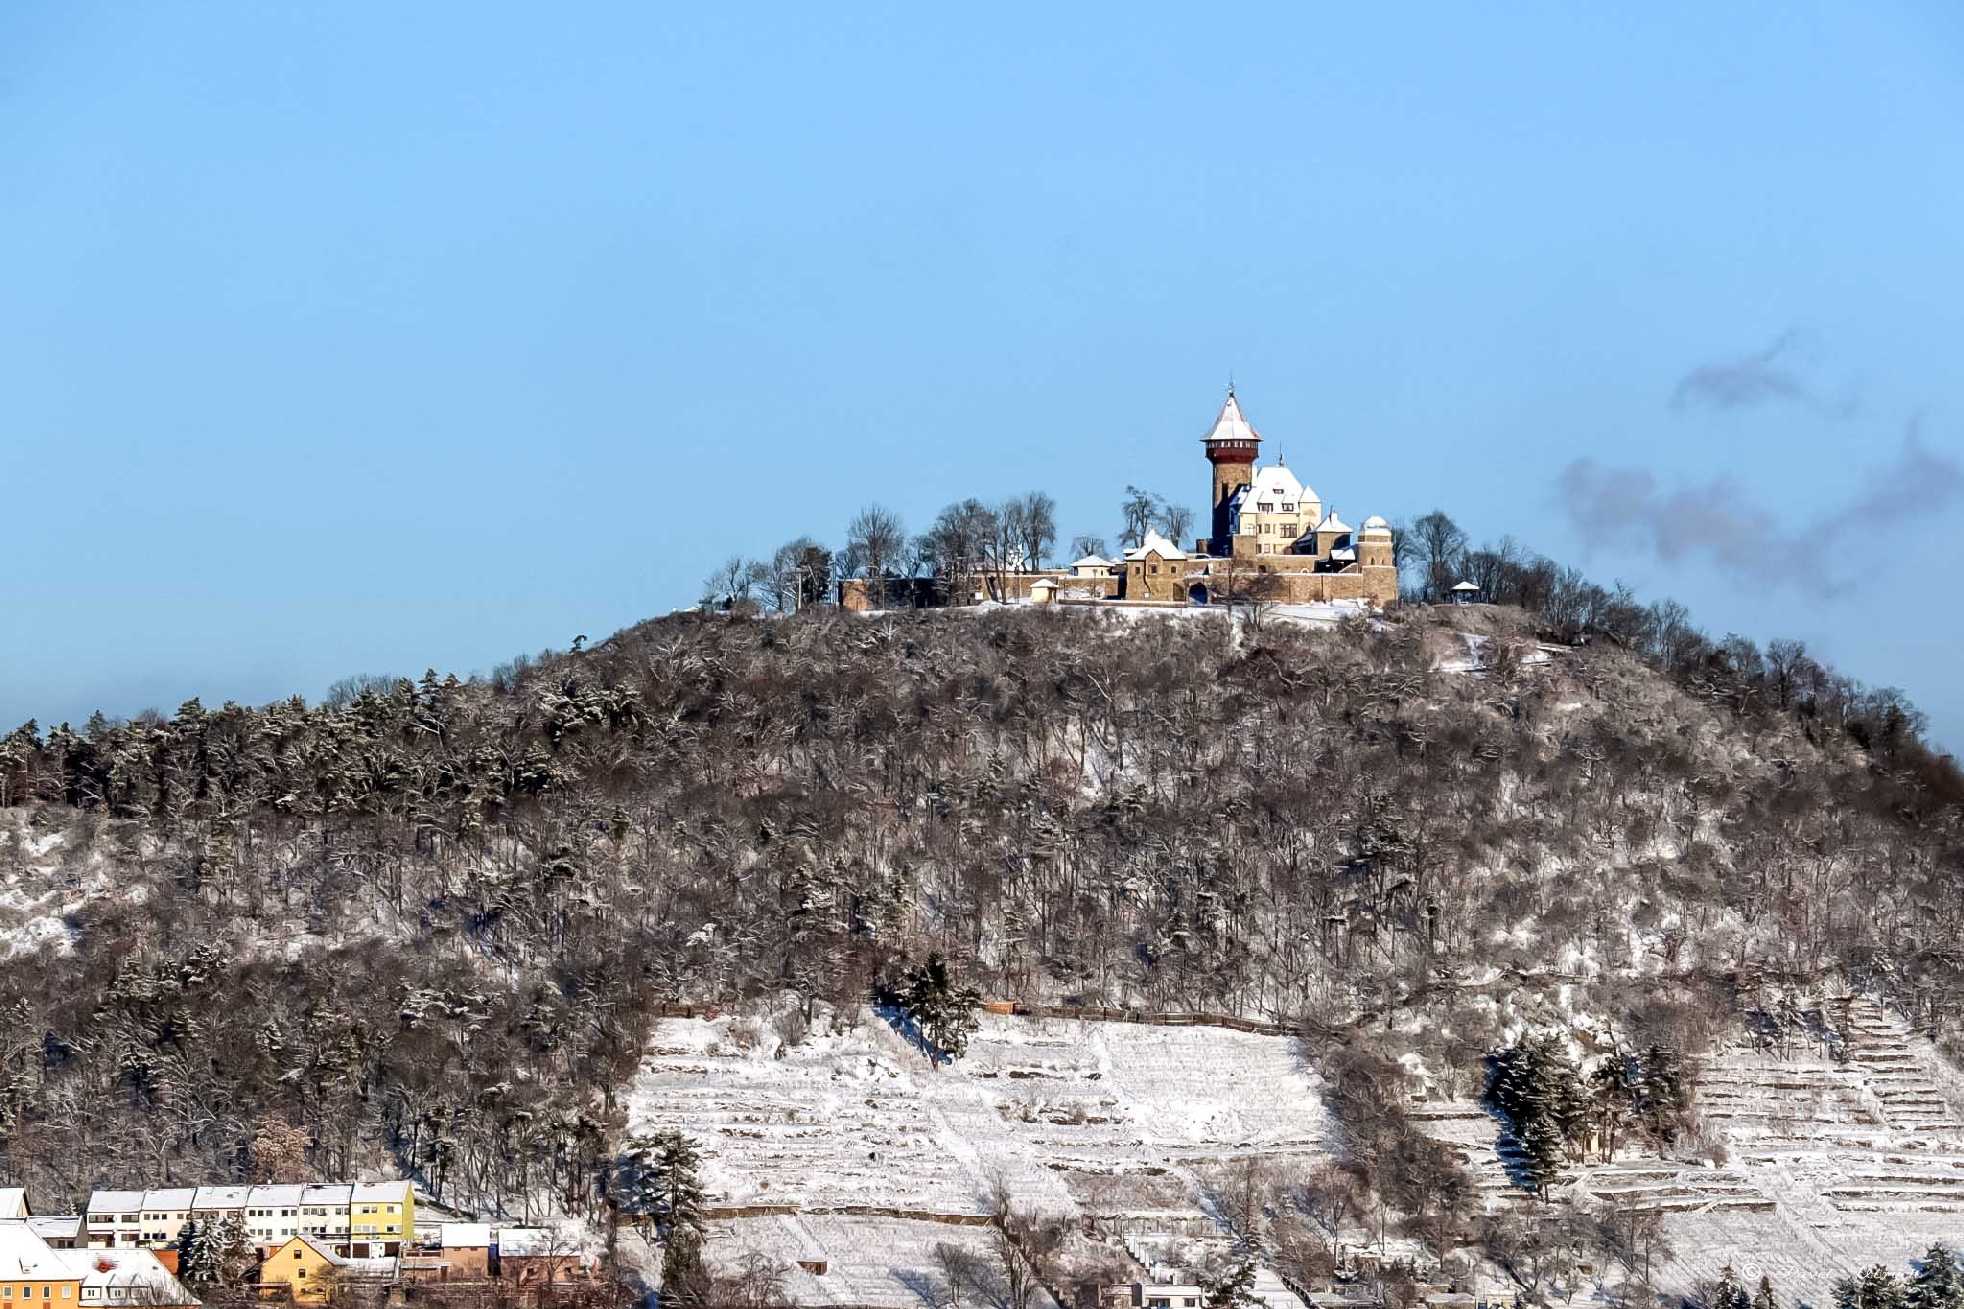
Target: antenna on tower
(1230, 384)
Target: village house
(353, 1219)
(60, 1231)
(532, 1256)
(306, 1271)
(34, 1275)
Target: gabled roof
(466, 1236)
(1091, 561)
(66, 1226)
(221, 1197)
(323, 1251)
(13, 1202)
(380, 1192)
(134, 1268)
(1332, 523)
(278, 1195)
(170, 1197)
(23, 1254)
(114, 1202)
(1229, 425)
(1467, 586)
(1276, 483)
(328, 1193)
(1155, 544)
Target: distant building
(33, 1271)
(353, 1219)
(60, 1231)
(1270, 537)
(532, 1256)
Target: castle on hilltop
(1271, 540)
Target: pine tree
(198, 1249)
(1236, 1290)
(942, 1010)
(678, 1188)
(1875, 1288)
(1764, 1298)
(234, 1253)
(1728, 1294)
(1938, 1282)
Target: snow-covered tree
(942, 1009)
(1234, 1289)
(1938, 1282)
(1875, 1288)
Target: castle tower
(1232, 448)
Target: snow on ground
(1105, 1118)
(865, 1261)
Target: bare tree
(1026, 1246)
(1439, 547)
(1137, 510)
(1036, 518)
(876, 540)
(1175, 520)
(730, 585)
(1084, 544)
(959, 547)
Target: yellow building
(381, 1213)
(302, 1271)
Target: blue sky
(364, 338)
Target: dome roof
(1376, 526)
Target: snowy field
(1814, 1168)
(1103, 1118)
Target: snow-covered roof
(23, 1254)
(1376, 523)
(1345, 555)
(50, 1226)
(531, 1242)
(1092, 561)
(380, 1192)
(13, 1202)
(134, 1268)
(169, 1197)
(331, 1193)
(263, 1197)
(1276, 484)
(323, 1250)
(1229, 425)
(221, 1197)
(1155, 544)
(466, 1236)
(1466, 586)
(115, 1202)
(1332, 523)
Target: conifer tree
(1728, 1294)
(1875, 1288)
(198, 1261)
(1235, 1290)
(1938, 1282)
(1764, 1297)
(942, 1009)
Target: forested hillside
(429, 928)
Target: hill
(435, 927)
